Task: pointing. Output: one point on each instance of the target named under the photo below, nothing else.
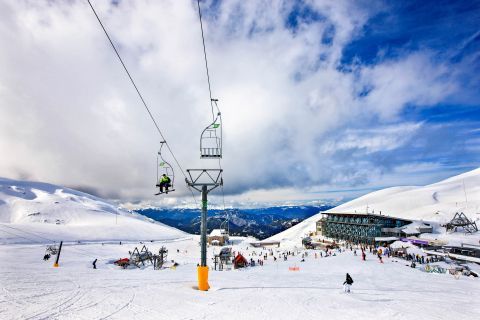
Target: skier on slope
(347, 284)
(94, 263)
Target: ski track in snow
(33, 289)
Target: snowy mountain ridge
(437, 202)
(65, 214)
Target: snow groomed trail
(33, 289)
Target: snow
(218, 232)
(35, 214)
(435, 203)
(33, 289)
(55, 213)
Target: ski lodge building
(218, 237)
(368, 228)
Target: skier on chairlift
(164, 183)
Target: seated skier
(164, 183)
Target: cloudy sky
(320, 99)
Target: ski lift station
(368, 228)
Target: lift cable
(41, 237)
(206, 61)
(140, 96)
(17, 235)
(209, 86)
(27, 232)
(223, 199)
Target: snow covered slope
(33, 289)
(32, 210)
(436, 202)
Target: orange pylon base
(202, 273)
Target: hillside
(39, 212)
(436, 202)
(258, 222)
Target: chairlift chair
(211, 138)
(51, 249)
(225, 224)
(163, 167)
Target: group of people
(285, 254)
(259, 262)
(416, 258)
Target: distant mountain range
(260, 223)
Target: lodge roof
(363, 214)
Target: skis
(164, 192)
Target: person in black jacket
(94, 264)
(347, 284)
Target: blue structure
(359, 228)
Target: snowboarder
(347, 283)
(94, 263)
(164, 183)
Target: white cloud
(68, 114)
(370, 140)
(414, 80)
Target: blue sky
(320, 99)
(449, 31)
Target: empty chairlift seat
(211, 139)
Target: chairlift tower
(204, 181)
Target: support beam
(203, 227)
(58, 255)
